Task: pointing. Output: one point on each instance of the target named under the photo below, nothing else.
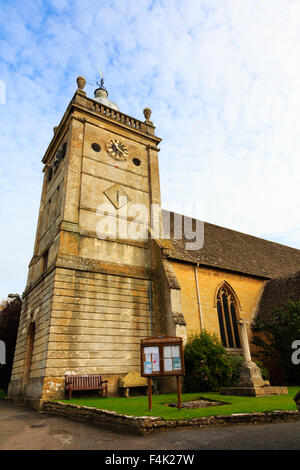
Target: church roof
(276, 293)
(228, 249)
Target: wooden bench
(85, 382)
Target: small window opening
(96, 147)
(45, 260)
(136, 161)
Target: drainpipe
(198, 296)
(154, 379)
(150, 306)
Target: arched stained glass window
(227, 313)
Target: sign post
(178, 392)
(150, 393)
(162, 356)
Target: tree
(9, 322)
(276, 335)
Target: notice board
(162, 356)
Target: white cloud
(222, 79)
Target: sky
(222, 78)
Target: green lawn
(138, 406)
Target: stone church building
(92, 292)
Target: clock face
(117, 149)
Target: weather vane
(101, 84)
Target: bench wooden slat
(85, 382)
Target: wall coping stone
(143, 425)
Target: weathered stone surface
(148, 424)
(250, 375)
(189, 405)
(133, 379)
(254, 391)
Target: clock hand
(119, 148)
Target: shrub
(264, 371)
(2, 393)
(208, 367)
(236, 362)
(206, 363)
(278, 333)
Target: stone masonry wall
(97, 322)
(36, 308)
(248, 290)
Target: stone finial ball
(147, 113)
(81, 81)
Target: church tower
(88, 299)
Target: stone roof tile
(232, 250)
